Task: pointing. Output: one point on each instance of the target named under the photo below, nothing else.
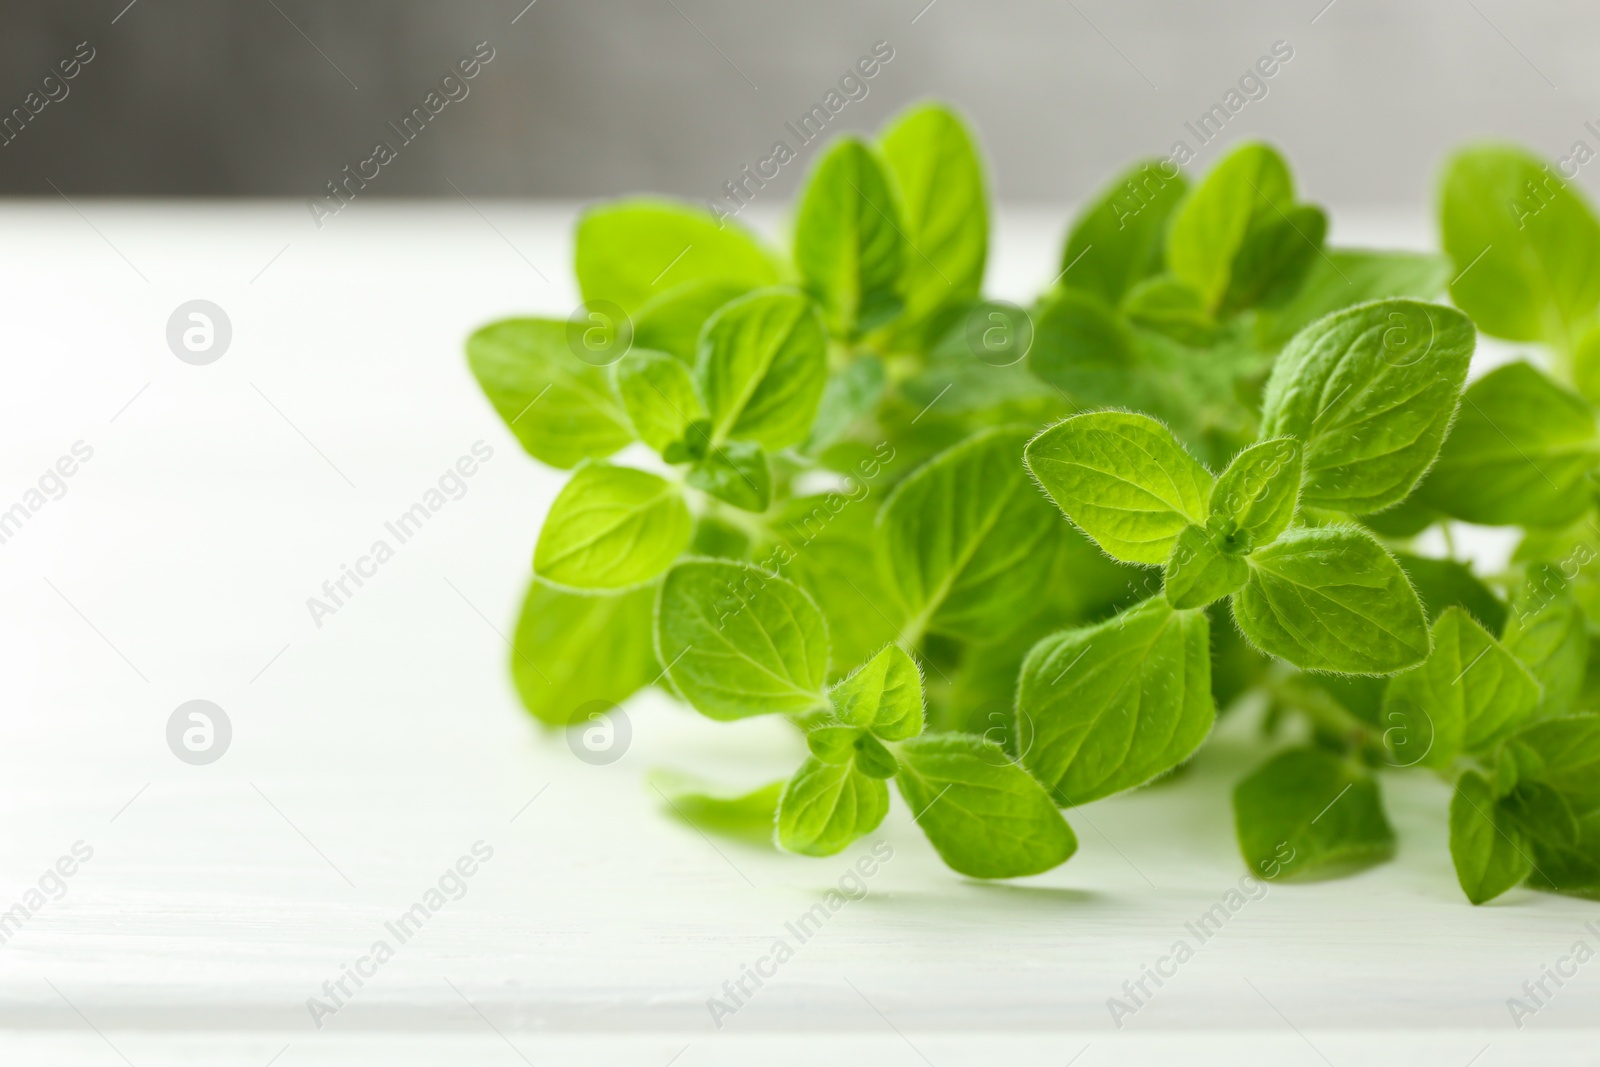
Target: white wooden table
(370, 753)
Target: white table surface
(370, 753)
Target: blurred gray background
(275, 97)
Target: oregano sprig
(1015, 560)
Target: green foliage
(944, 210)
(1117, 242)
(737, 641)
(1445, 583)
(1254, 500)
(1240, 238)
(1331, 599)
(734, 472)
(1564, 754)
(560, 408)
(573, 649)
(1016, 561)
(884, 696)
(747, 816)
(611, 528)
(1202, 570)
(1521, 453)
(1466, 697)
(985, 814)
(1108, 707)
(964, 542)
(1124, 480)
(1369, 392)
(761, 366)
(1547, 631)
(826, 806)
(1525, 244)
(660, 398)
(1488, 850)
(1343, 277)
(849, 243)
(1307, 813)
(633, 251)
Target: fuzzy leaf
(1369, 392)
(1108, 707)
(883, 695)
(1331, 599)
(826, 806)
(1124, 480)
(737, 641)
(984, 814)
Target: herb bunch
(1019, 560)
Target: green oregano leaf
(1084, 348)
(748, 816)
(1466, 697)
(849, 242)
(1274, 257)
(963, 541)
(632, 250)
(737, 641)
(560, 408)
(735, 472)
(1169, 306)
(610, 528)
(873, 759)
(834, 558)
(1563, 753)
(574, 650)
(1444, 583)
(945, 215)
(1369, 392)
(1574, 868)
(1488, 850)
(761, 367)
(826, 806)
(658, 394)
(1331, 599)
(1107, 707)
(1201, 572)
(1548, 634)
(984, 814)
(1116, 241)
(1344, 277)
(1520, 453)
(1307, 812)
(850, 395)
(1254, 500)
(1542, 813)
(833, 744)
(884, 695)
(1245, 191)
(1525, 244)
(1124, 480)
(672, 322)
